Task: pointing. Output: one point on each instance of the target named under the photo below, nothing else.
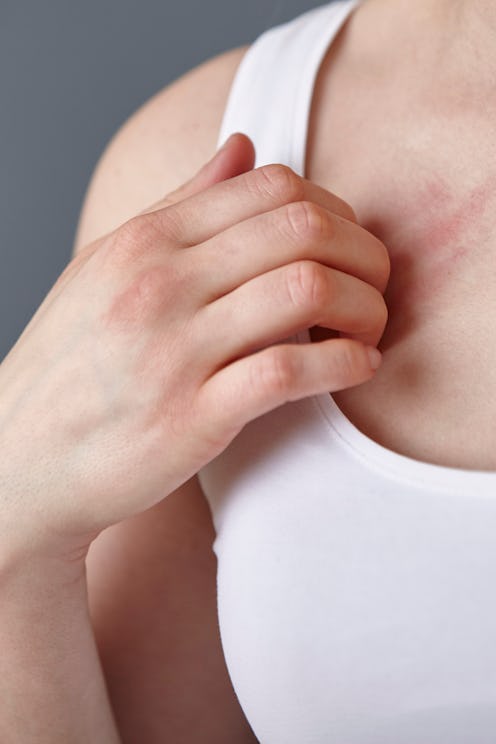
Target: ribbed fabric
(356, 586)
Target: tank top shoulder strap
(271, 94)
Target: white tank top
(356, 586)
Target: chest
(367, 607)
(426, 186)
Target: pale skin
(127, 395)
(151, 576)
(413, 152)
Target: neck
(454, 39)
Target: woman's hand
(161, 340)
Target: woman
(354, 533)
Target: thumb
(236, 156)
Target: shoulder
(159, 147)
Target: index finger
(203, 215)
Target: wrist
(28, 560)
(34, 580)
(28, 546)
(53, 688)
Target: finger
(203, 215)
(236, 156)
(282, 302)
(301, 230)
(254, 385)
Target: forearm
(52, 689)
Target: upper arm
(159, 147)
(152, 578)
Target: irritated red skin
(441, 238)
(449, 218)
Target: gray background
(71, 72)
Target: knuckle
(139, 230)
(150, 287)
(142, 234)
(131, 240)
(146, 296)
(169, 223)
(307, 220)
(153, 227)
(279, 181)
(276, 371)
(307, 284)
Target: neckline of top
(401, 467)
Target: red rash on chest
(441, 228)
(449, 218)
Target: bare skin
(412, 151)
(409, 134)
(423, 147)
(125, 382)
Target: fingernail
(375, 356)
